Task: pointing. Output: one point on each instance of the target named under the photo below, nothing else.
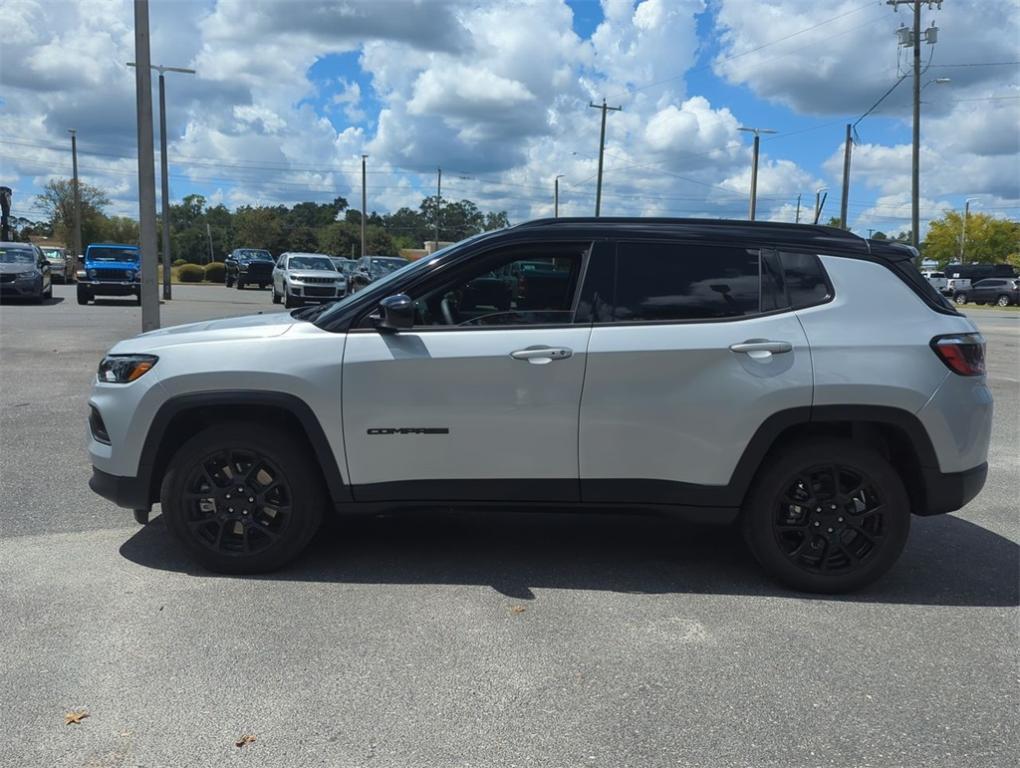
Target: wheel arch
(182, 416)
(898, 434)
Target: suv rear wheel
(242, 499)
(827, 516)
(1003, 301)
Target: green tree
(989, 240)
(259, 227)
(57, 202)
(120, 229)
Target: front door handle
(541, 355)
(752, 346)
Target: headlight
(133, 275)
(92, 274)
(80, 274)
(121, 369)
(25, 275)
(242, 267)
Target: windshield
(253, 255)
(104, 253)
(380, 286)
(54, 254)
(343, 265)
(310, 262)
(385, 266)
(17, 256)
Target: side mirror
(396, 313)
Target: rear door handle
(541, 355)
(762, 345)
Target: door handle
(540, 355)
(762, 345)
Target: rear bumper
(948, 492)
(127, 492)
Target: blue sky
(289, 95)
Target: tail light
(963, 353)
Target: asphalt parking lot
(456, 640)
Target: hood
(112, 265)
(298, 274)
(17, 268)
(227, 329)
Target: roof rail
(817, 229)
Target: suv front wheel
(242, 499)
(827, 515)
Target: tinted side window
(805, 279)
(674, 281)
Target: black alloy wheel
(237, 501)
(242, 498)
(829, 518)
(826, 515)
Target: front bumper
(110, 287)
(127, 492)
(25, 288)
(316, 292)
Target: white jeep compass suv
(798, 379)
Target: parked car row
(297, 278)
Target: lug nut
(833, 506)
(818, 509)
(817, 523)
(830, 530)
(230, 509)
(839, 519)
(227, 496)
(251, 499)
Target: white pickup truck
(938, 281)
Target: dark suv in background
(371, 268)
(246, 266)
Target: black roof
(812, 236)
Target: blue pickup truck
(110, 269)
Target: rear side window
(805, 279)
(675, 281)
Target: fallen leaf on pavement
(247, 738)
(517, 609)
(75, 718)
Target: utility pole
(847, 148)
(912, 38)
(208, 234)
(797, 220)
(602, 150)
(556, 196)
(963, 234)
(754, 167)
(820, 195)
(164, 173)
(146, 170)
(439, 201)
(364, 204)
(76, 236)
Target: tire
(240, 285)
(289, 302)
(276, 296)
(960, 298)
(262, 286)
(229, 283)
(1002, 301)
(83, 295)
(282, 510)
(846, 540)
